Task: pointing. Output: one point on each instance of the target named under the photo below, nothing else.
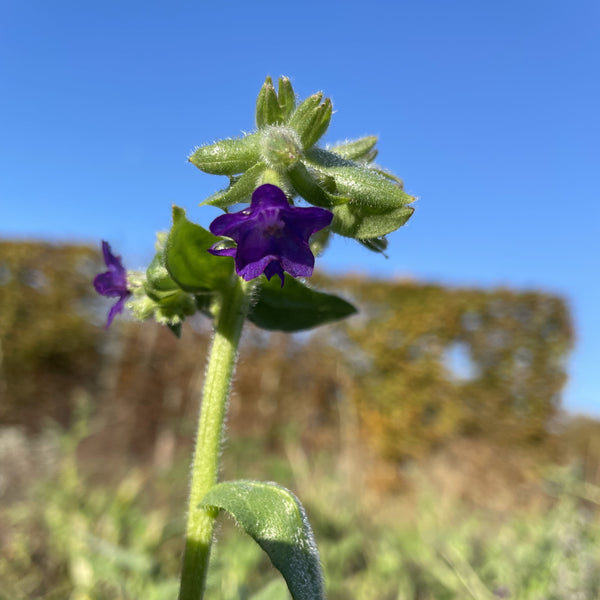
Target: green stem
(221, 365)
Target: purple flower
(271, 235)
(113, 283)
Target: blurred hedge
(49, 343)
(385, 375)
(431, 362)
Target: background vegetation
(424, 435)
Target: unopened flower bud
(280, 147)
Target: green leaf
(274, 517)
(268, 111)
(287, 98)
(187, 258)
(227, 157)
(361, 149)
(240, 190)
(295, 306)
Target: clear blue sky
(489, 111)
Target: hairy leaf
(274, 517)
(295, 306)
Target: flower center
(273, 230)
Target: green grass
(67, 536)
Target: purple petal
(116, 309)
(269, 195)
(225, 224)
(307, 221)
(111, 260)
(254, 269)
(106, 286)
(275, 268)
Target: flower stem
(221, 365)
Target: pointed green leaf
(268, 111)
(287, 98)
(274, 517)
(357, 149)
(240, 190)
(295, 306)
(187, 258)
(227, 157)
(310, 190)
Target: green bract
(187, 258)
(367, 201)
(156, 295)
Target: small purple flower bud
(113, 283)
(271, 235)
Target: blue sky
(489, 111)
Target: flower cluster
(268, 169)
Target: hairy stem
(221, 365)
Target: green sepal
(287, 97)
(319, 241)
(377, 192)
(369, 188)
(240, 189)
(227, 157)
(311, 119)
(187, 258)
(295, 306)
(388, 175)
(158, 281)
(378, 244)
(268, 111)
(307, 187)
(355, 221)
(175, 329)
(319, 124)
(378, 204)
(277, 522)
(164, 299)
(360, 150)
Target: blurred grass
(70, 533)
